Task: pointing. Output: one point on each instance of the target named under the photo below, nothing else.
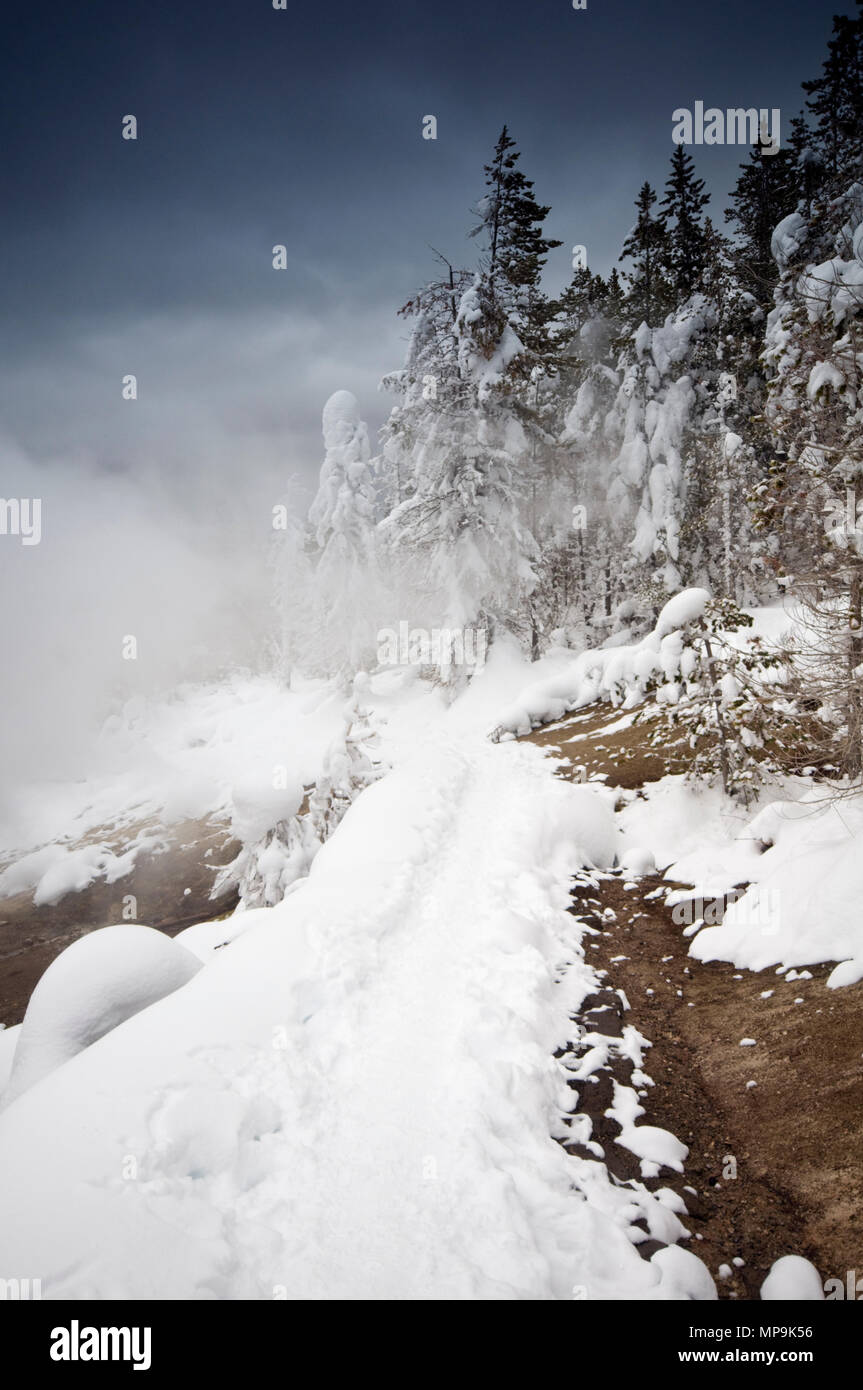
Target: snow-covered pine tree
(725, 442)
(511, 222)
(719, 717)
(470, 438)
(812, 503)
(343, 526)
(461, 522)
(428, 381)
(347, 767)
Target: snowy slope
(355, 1097)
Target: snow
(655, 1147)
(824, 374)
(799, 857)
(354, 1097)
(683, 608)
(618, 674)
(788, 237)
(684, 1272)
(95, 984)
(849, 972)
(174, 758)
(799, 909)
(8, 1043)
(637, 861)
(54, 870)
(791, 1277)
(236, 753)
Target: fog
(156, 513)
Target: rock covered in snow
(94, 985)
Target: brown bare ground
(623, 757)
(796, 1136)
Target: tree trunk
(855, 659)
(724, 759)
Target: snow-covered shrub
(279, 839)
(716, 714)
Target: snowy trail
(356, 1098)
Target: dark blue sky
(303, 126)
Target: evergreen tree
(457, 540)
(583, 298)
(765, 192)
(810, 506)
(615, 297)
(808, 163)
(683, 205)
(343, 525)
(647, 247)
(720, 720)
(836, 101)
(429, 382)
(516, 250)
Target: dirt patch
(171, 889)
(775, 1165)
(622, 756)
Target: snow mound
(257, 806)
(637, 861)
(683, 1272)
(592, 827)
(792, 1277)
(849, 972)
(683, 608)
(92, 986)
(796, 910)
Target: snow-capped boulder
(94, 985)
(792, 1277)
